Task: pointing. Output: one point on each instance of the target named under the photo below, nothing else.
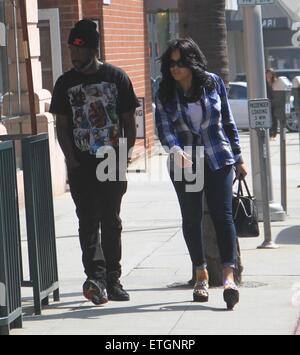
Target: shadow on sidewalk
(289, 236)
(92, 312)
(28, 308)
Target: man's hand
(73, 164)
(66, 141)
(129, 125)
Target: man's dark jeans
(218, 191)
(98, 207)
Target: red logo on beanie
(78, 42)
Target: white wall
(291, 5)
(231, 5)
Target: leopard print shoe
(201, 292)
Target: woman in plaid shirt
(192, 110)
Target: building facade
(124, 43)
(163, 25)
(281, 30)
(15, 110)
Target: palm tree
(205, 22)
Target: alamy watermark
(113, 165)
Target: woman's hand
(241, 171)
(182, 159)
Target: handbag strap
(240, 192)
(247, 187)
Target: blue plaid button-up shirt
(218, 133)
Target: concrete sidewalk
(155, 256)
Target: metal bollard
(282, 107)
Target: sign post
(255, 63)
(260, 120)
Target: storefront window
(284, 58)
(162, 27)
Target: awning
(282, 14)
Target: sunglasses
(177, 63)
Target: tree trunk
(215, 267)
(205, 22)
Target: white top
(196, 114)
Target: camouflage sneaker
(95, 291)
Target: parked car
(238, 99)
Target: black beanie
(85, 35)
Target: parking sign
(260, 113)
(140, 119)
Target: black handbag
(245, 212)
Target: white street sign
(140, 119)
(260, 114)
(255, 2)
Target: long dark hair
(194, 59)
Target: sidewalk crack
(154, 251)
(178, 321)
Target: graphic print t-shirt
(94, 104)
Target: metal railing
(40, 220)
(10, 271)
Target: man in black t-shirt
(94, 104)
